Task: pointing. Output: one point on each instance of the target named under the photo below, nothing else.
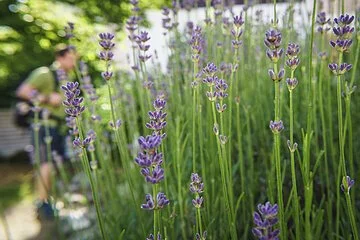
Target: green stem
(88, 172)
(351, 216)
(293, 171)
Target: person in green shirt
(44, 84)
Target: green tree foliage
(30, 28)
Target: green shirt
(43, 80)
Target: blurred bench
(12, 138)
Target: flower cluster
(161, 201)
(265, 220)
(106, 54)
(292, 62)
(197, 43)
(157, 117)
(166, 20)
(135, 7)
(322, 21)
(142, 40)
(236, 31)
(346, 184)
(220, 90)
(197, 187)
(87, 142)
(218, 8)
(339, 69)
(343, 32)
(273, 41)
(73, 101)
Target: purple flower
(344, 20)
(238, 21)
(293, 63)
(196, 185)
(149, 203)
(265, 220)
(321, 18)
(150, 142)
(339, 70)
(197, 43)
(220, 89)
(197, 202)
(272, 38)
(276, 77)
(72, 101)
(210, 69)
(106, 41)
(276, 126)
(151, 237)
(116, 125)
(162, 201)
(106, 75)
(341, 45)
(155, 176)
(291, 83)
(157, 117)
(347, 184)
(274, 55)
(292, 50)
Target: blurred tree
(30, 28)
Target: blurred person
(45, 83)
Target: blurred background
(28, 31)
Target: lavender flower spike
(72, 101)
(265, 220)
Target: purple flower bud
(149, 203)
(210, 69)
(291, 83)
(276, 126)
(272, 38)
(78, 143)
(292, 50)
(197, 202)
(347, 184)
(162, 201)
(238, 21)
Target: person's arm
(26, 90)
(36, 81)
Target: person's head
(66, 56)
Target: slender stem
(351, 216)
(293, 171)
(324, 129)
(194, 106)
(340, 120)
(88, 172)
(278, 158)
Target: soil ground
(18, 216)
